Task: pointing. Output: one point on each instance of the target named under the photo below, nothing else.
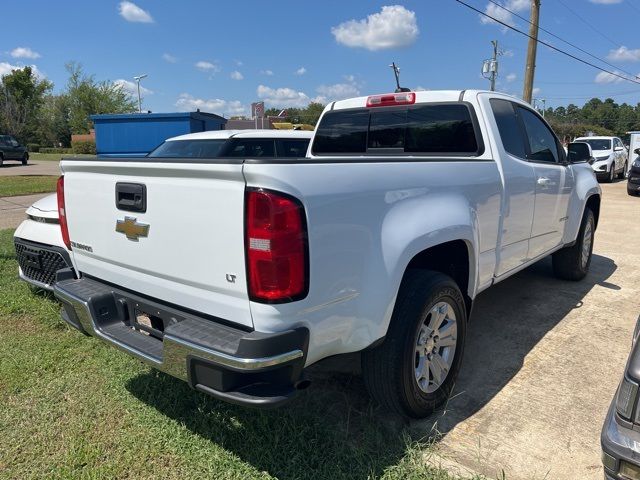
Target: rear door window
(292, 148)
(250, 148)
(189, 149)
(511, 135)
(427, 129)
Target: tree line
(600, 117)
(31, 112)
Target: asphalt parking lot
(34, 167)
(543, 361)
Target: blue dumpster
(136, 134)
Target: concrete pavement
(12, 209)
(34, 167)
(543, 360)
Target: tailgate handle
(131, 197)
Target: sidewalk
(12, 209)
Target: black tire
(25, 158)
(389, 370)
(623, 173)
(567, 262)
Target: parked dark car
(620, 438)
(10, 149)
(633, 185)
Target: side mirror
(637, 151)
(579, 152)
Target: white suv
(611, 157)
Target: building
(136, 134)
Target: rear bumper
(234, 365)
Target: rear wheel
(414, 370)
(25, 158)
(572, 263)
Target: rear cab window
(428, 129)
(237, 148)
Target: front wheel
(25, 158)
(572, 263)
(414, 370)
(623, 173)
(611, 174)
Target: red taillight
(276, 247)
(62, 214)
(387, 100)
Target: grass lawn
(73, 407)
(54, 156)
(27, 184)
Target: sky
(220, 56)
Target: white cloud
(624, 54)
(337, 91)
(420, 88)
(236, 75)
(393, 27)
(511, 77)
(24, 52)
(207, 66)
(133, 13)
(268, 73)
(501, 14)
(132, 87)
(188, 103)
(282, 97)
(536, 91)
(238, 63)
(167, 57)
(7, 68)
(301, 71)
(604, 77)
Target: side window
(292, 148)
(542, 142)
(250, 148)
(509, 127)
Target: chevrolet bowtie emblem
(132, 229)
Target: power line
(546, 44)
(613, 42)
(561, 39)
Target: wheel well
(450, 258)
(593, 203)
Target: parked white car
(235, 273)
(40, 249)
(611, 157)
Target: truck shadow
(333, 430)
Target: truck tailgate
(193, 252)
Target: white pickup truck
(236, 273)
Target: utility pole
(529, 71)
(490, 66)
(494, 71)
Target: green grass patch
(74, 407)
(54, 156)
(27, 184)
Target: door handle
(544, 181)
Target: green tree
(22, 95)
(53, 128)
(86, 96)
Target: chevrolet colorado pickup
(236, 273)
